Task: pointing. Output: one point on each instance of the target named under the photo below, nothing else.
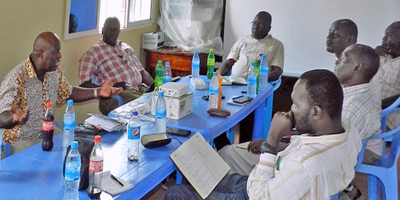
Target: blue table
(34, 174)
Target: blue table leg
(178, 177)
(258, 121)
(267, 116)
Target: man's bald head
(342, 33)
(46, 54)
(111, 30)
(45, 41)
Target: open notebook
(200, 164)
(229, 80)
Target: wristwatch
(266, 148)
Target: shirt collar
(119, 43)
(355, 89)
(30, 68)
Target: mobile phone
(155, 140)
(179, 132)
(242, 100)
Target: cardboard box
(177, 107)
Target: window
(129, 12)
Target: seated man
(355, 68)
(310, 166)
(243, 53)
(26, 89)
(390, 70)
(248, 47)
(110, 58)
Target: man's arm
(83, 94)
(274, 73)
(13, 117)
(227, 66)
(146, 78)
(389, 101)
(88, 84)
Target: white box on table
(177, 107)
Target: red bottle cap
(97, 139)
(49, 104)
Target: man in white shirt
(310, 166)
(390, 70)
(248, 47)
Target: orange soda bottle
(220, 88)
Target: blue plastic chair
(384, 113)
(384, 172)
(268, 109)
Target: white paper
(243, 145)
(111, 186)
(200, 164)
(104, 122)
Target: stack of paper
(104, 122)
(229, 80)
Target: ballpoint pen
(115, 179)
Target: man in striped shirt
(316, 165)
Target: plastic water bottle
(72, 174)
(252, 82)
(133, 131)
(161, 113)
(213, 92)
(257, 71)
(263, 73)
(68, 125)
(95, 169)
(210, 63)
(167, 73)
(159, 74)
(195, 65)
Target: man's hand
(254, 146)
(19, 117)
(281, 125)
(106, 90)
(383, 50)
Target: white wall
(302, 26)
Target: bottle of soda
(95, 169)
(263, 73)
(167, 73)
(68, 125)
(159, 74)
(48, 127)
(72, 174)
(257, 71)
(161, 113)
(213, 92)
(252, 82)
(210, 64)
(195, 65)
(220, 88)
(133, 131)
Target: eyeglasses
(257, 23)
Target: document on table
(104, 122)
(243, 145)
(229, 80)
(200, 164)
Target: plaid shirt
(360, 110)
(104, 61)
(22, 88)
(390, 84)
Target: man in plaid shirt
(112, 58)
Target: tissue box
(177, 107)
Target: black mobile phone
(242, 100)
(179, 132)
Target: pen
(237, 97)
(115, 179)
(244, 92)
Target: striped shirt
(22, 88)
(246, 48)
(104, 61)
(311, 167)
(390, 84)
(359, 109)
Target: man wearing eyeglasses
(248, 47)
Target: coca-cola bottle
(95, 169)
(48, 127)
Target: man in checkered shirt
(111, 58)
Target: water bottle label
(161, 113)
(166, 79)
(48, 125)
(95, 166)
(72, 172)
(214, 90)
(133, 132)
(264, 71)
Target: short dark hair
(324, 90)
(265, 16)
(368, 57)
(349, 27)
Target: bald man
(26, 89)
(111, 58)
